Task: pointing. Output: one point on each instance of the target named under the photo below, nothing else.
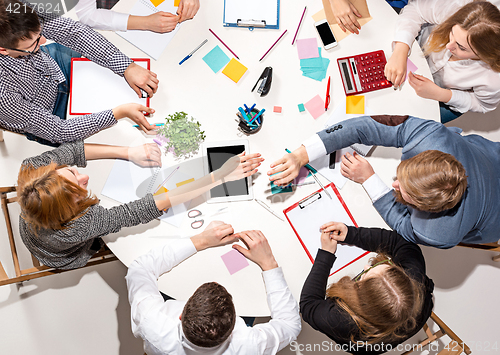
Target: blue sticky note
(216, 59)
(301, 107)
(280, 189)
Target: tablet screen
(217, 156)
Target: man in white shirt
(207, 322)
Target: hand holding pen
(136, 112)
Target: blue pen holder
(250, 128)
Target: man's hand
(427, 89)
(145, 155)
(258, 250)
(356, 168)
(345, 13)
(331, 233)
(136, 113)
(288, 166)
(395, 68)
(216, 234)
(139, 78)
(187, 9)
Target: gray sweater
(71, 248)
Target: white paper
(307, 222)
(151, 43)
(95, 88)
(257, 10)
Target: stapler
(265, 82)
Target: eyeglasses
(36, 43)
(197, 213)
(358, 276)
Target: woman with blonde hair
(61, 223)
(384, 305)
(461, 40)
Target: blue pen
(251, 108)
(243, 114)
(247, 109)
(154, 124)
(257, 116)
(191, 54)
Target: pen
(273, 45)
(223, 43)
(191, 54)
(243, 113)
(301, 184)
(247, 109)
(154, 124)
(327, 99)
(268, 209)
(257, 116)
(313, 171)
(168, 177)
(300, 23)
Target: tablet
(215, 154)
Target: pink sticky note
(234, 261)
(315, 106)
(410, 67)
(277, 109)
(307, 48)
(303, 173)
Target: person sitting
(90, 14)
(35, 81)
(461, 40)
(449, 183)
(61, 224)
(383, 306)
(207, 322)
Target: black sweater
(326, 316)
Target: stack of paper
(311, 63)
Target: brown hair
(481, 20)
(434, 180)
(209, 317)
(15, 23)
(384, 307)
(48, 200)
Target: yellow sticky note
(160, 191)
(157, 2)
(234, 70)
(179, 184)
(355, 104)
(176, 3)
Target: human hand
(288, 166)
(140, 78)
(258, 250)
(356, 168)
(238, 167)
(427, 89)
(187, 9)
(345, 13)
(395, 68)
(331, 233)
(161, 22)
(145, 155)
(136, 113)
(216, 234)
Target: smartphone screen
(325, 32)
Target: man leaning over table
(447, 187)
(34, 79)
(207, 322)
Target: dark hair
(208, 317)
(16, 24)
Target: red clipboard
(297, 212)
(72, 111)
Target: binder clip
(265, 82)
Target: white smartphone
(326, 34)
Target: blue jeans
(447, 114)
(62, 55)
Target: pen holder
(247, 128)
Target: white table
(213, 99)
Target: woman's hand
(238, 167)
(161, 22)
(331, 233)
(427, 89)
(356, 168)
(395, 69)
(345, 13)
(145, 155)
(187, 9)
(136, 113)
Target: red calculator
(363, 73)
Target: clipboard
(307, 215)
(252, 13)
(94, 88)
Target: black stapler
(265, 82)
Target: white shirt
(100, 19)
(474, 86)
(158, 324)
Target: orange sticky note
(157, 2)
(160, 191)
(179, 184)
(176, 3)
(234, 70)
(355, 104)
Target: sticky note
(158, 2)
(410, 67)
(277, 109)
(355, 104)
(301, 107)
(307, 48)
(315, 106)
(234, 261)
(179, 184)
(303, 174)
(160, 191)
(234, 70)
(176, 3)
(275, 189)
(216, 59)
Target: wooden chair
(37, 270)
(486, 246)
(456, 345)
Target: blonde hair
(384, 307)
(481, 20)
(48, 200)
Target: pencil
(273, 45)
(221, 41)
(164, 181)
(300, 23)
